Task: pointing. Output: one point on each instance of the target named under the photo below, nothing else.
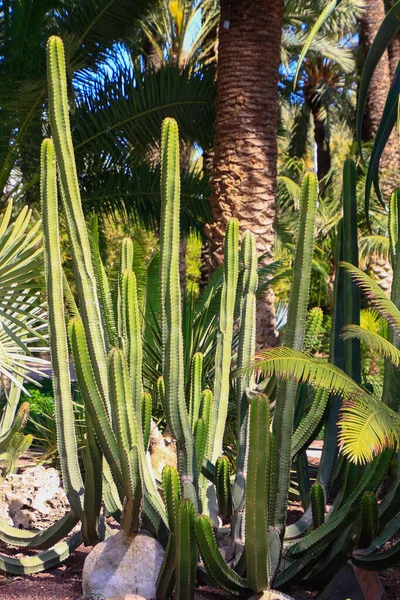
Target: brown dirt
(64, 583)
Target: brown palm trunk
(321, 137)
(380, 84)
(393, 49)
(245, 145)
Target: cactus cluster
(277, 415)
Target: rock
(162, 450)
(271, 595)
(127, 597)
(33, 499)
(123, 565)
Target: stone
(127, 597)
(33, 499)
(162, 450)
(271, 595)
(354, 583)
(123, 565)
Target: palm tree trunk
(245, 147)
(321, 137)
(380, 84)
(393, 49)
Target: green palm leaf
(374, 341)
(375, 294)
(288, 364)
(366, 428)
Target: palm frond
(371, 320)
(366, 428)
(375, 294)
(294, 365)
(377, 245)
(375, 342)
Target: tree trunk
(322, 141)
(245, 146)
(393, 49)
(380, 84)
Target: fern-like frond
(366, 428)
(289, 364)
(371, 320)
(375, 342)
(375, 294)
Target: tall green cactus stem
(170, 203)
(147, 404)
(186, 552)
(133, 337)
(78, 235)
(175, 403)
(172, 494)
(286, 393)
(246, 350)
(343, 353)
(369, 520)
(172, 499)
(223, 487)
(93, 487)
(216, 566)
(391, 375)
(64, 413)
(200, 439)
(103, 286)
(352, 352)
(161, 390)
(257, 517)
(317, 504)
(196, 388)
(394, 224)
(93, 400)
(127, 436)
(224, 341)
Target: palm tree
(378, 90)
(117, 107)
(90, 29)
(245, 144)
(326, 88)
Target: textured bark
(380, 84)
(322, 142)
(245, 145)
(393, 50)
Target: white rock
(127, 597)
(123, 565)
(33, 499)
(271, 595)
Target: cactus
(317, 504)
(259, 574)
(286, 393)
(369, 520)
(186, 552)
(223, 487)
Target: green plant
(13, 444)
